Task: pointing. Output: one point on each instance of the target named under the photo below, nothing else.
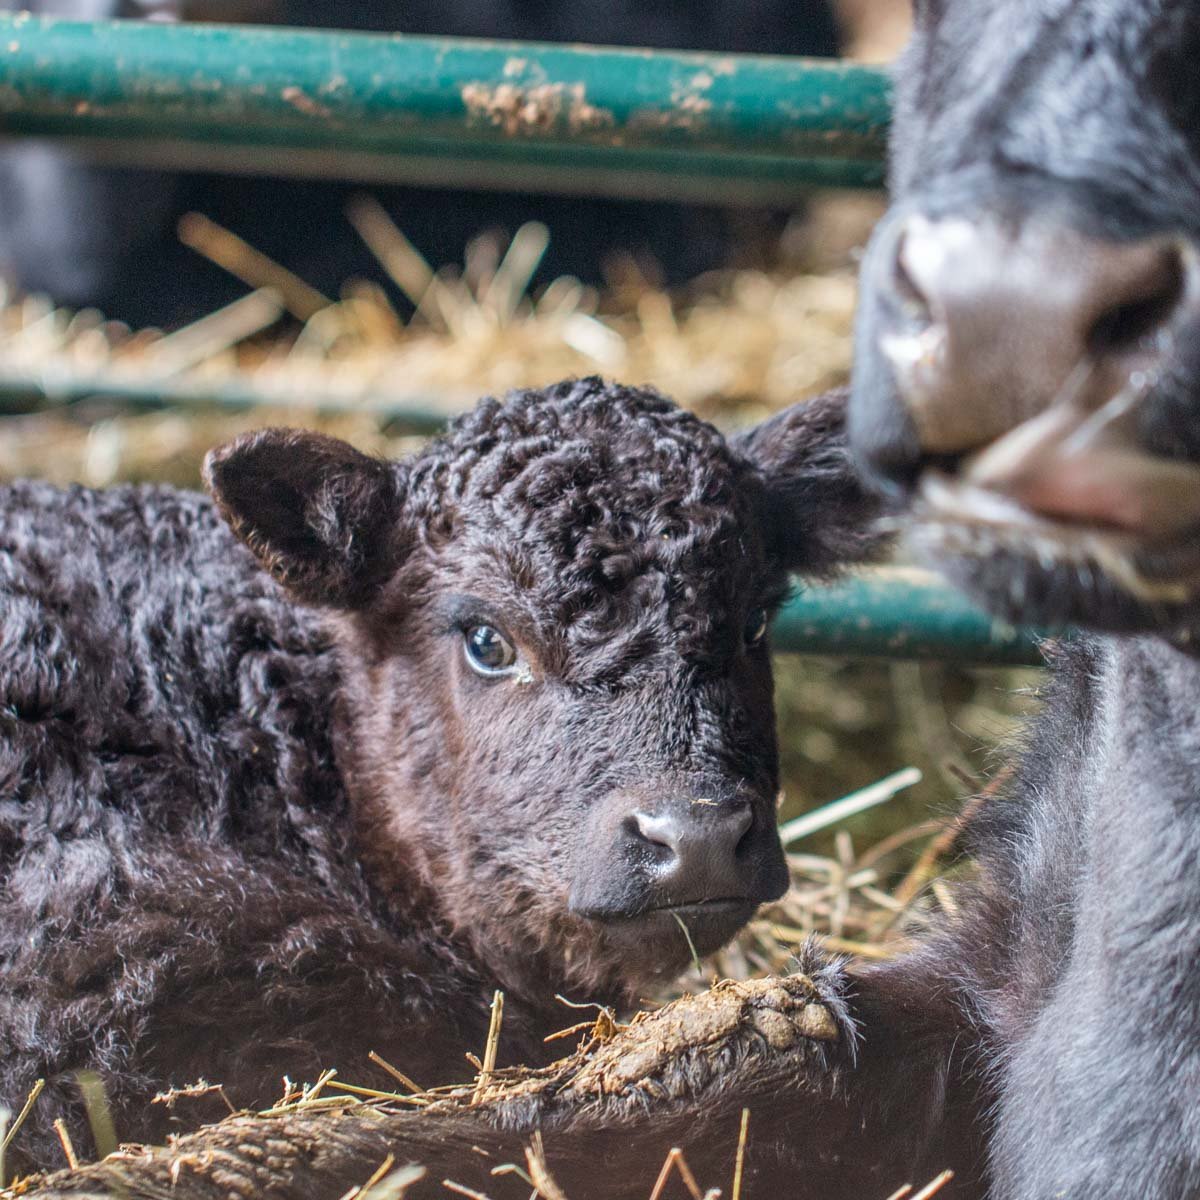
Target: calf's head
(553, 624)
(1028, 359)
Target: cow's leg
(854, 1083)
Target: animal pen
(450, 112)
(454, 112)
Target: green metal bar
(21, 393)
(899, 613)
(398, 106)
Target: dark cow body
(502, 719)
(1029, 387)
(1027, 390)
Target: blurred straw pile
(736, 345)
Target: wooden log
(610, 1113)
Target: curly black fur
(243, 836)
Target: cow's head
(1028, 360)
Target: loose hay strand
(99, 1114)
(512, 278)
(676, 1162)
(394, 1186)
(513, 1169)
(367, 1093)
(687, 937)
(4, 1116)
(488, 1066)
(251, 266)
(395, 1072)
(218, 331)
(460, 1189)
(689, 1180)
(380, 1171)
(193, 1091)
(935, 1186)
(539, 1171)
(60, 1128)
(739, 1163)
(849, 806)
(404, 263)
(26, 1109)
(313, 1093)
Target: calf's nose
(695, 851)
(992, 321)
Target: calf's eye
(488, 651)
(756, 626)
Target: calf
(1028, 388)
(497, 716)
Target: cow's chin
(1031, 569)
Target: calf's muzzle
(693, 848)
(704, 854)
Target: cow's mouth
(1074, 466)
(1070, 496)
(1115, 544)
(709, 924)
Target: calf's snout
(693, 847)
(987, 322)
(657, 849)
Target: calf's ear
(818, 513)
(322, 518)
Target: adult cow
(1027, 386)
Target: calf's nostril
(703, 837)
(661, 831)
(738, 825)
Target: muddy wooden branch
(641, 1077)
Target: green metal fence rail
(899, 613)
(451, 111)
(24, 393)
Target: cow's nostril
(1152, 298)
(913, 300)
(1010, 308)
